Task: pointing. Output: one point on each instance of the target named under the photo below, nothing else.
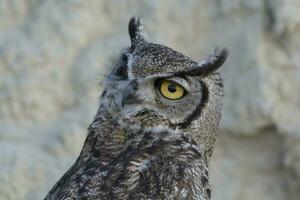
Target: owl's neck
(111, 135)
(146, 151)
(154, 152)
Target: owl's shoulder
(157, 164)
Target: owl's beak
(129, 94)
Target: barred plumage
(147, 142)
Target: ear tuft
(210, 64)
(213, 62)
(136, 31)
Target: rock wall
(54, 53)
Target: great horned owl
(155, 128)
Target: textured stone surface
(246, 167)
(54, 53)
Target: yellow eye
(171, 90)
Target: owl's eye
(123, 69)
(170, 89)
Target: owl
(155, 128)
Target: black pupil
(172, 88)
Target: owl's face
(174, 99)
(154, 85)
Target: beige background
(53, 54)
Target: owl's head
(154, 86)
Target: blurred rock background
(53, 54)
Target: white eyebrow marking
(181, 81)
(129, 65)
